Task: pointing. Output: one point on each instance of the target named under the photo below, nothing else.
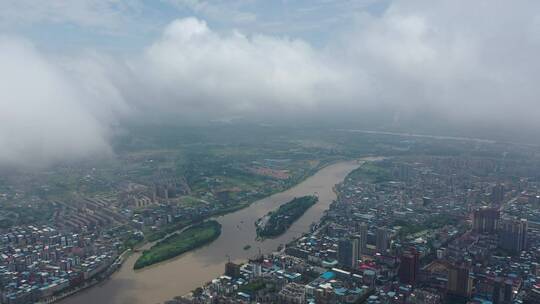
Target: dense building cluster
(37, 263)
(407, 230)
(87, 237)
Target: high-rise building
(497, 194)
(503, 292)
(381, 240)
(459, 282)
(232, 270)
(362, 238)
(347, 253)
(486, 220)
(409, 267)
(513, 235)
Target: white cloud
(413, 58)
(467, 62)
(193, 69)
(46, 115)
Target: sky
(72, 72)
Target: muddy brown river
(163, 281)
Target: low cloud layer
(47, 114)
(466, 62)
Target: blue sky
(128, 25)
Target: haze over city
(269, 152)
(73, 72)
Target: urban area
(413, 225)
(406, 230)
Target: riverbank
(99, 278)
(161, 234)
(179, 227)
(190, 270)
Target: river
(163, 281)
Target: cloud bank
(466, 62)
(192, 69)
(45, 116)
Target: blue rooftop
(328, 275)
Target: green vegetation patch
(371, 172)
(277, 222)
(191, 201)
(178, 243)
(252, 287)
(153, 236)
(434, 222)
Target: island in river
(178, 243)
(178, 276)
(275, 223)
